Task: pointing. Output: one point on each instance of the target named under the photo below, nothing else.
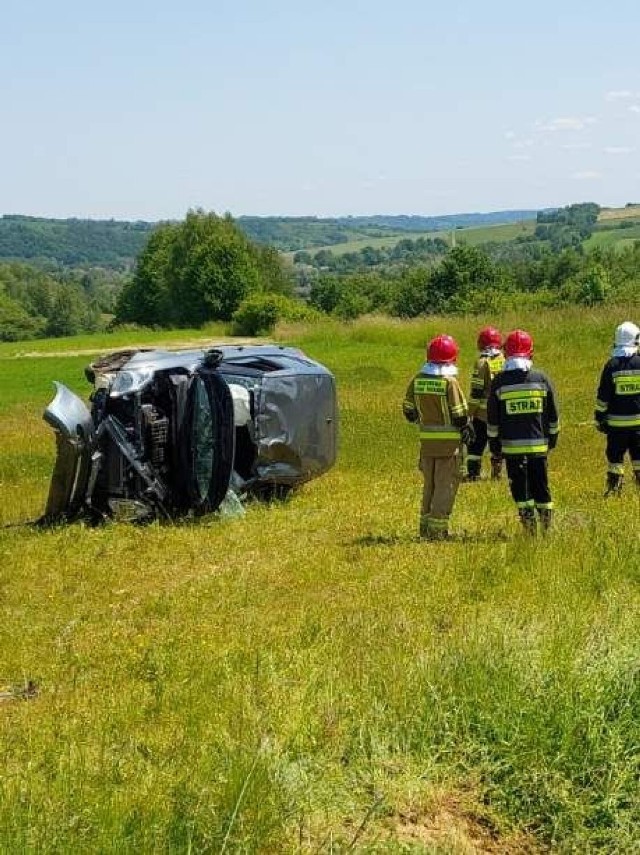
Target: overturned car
(169, 433)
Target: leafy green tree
(68, 315)
(145, 298)
(464, 270)
(274, 276)
(260, 312)
(589, 287)
(198, 270)
(351, 305)
(411, 295)
(213, 266)
(15, 323)
(326, 292)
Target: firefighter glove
(553, 441)
(601, 426)
(468, 434)
(495, 447)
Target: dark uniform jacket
(522, 414)
(488, 364)
(437, 403)
(618, 401)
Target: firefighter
(618, 406)
(488, 364)
(522, 424)
(435, 401)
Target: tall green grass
(311, 677)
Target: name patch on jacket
(430, 386)
(520, 406)
(627, 384)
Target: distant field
(632, 212)
(473, 235)
(500, 234)
(311, 678)
(506, 232)
(385, 242)
(611, 237)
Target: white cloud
(523, 144)
(634, 108)
(519, 157)
(587, 175)
(566, 123)
(575, 146)
(510, 135)
(619, 149)
(619, 95)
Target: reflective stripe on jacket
(618, 400)
(485, 369)
(522, 412)
(438, 405)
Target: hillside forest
(61, 278)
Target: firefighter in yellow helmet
(435, 401)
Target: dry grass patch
(453, 825)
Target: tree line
(205, 269)
(117, 243)
(468, 280)
(36, 303)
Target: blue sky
(144, 109)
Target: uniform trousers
(475, 450)
(441, 480)
(619, 442)
(529, 481)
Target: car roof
(265, 358)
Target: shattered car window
(202, 438)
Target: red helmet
(442, 349)
(489, 337)
(518, 343)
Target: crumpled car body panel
(295, 415)
(68, 415)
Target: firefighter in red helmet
(522, 424)
(488, 364)
(435, 401)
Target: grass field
(310, 677)
(506, 232)
(630, 212)
(610, 237)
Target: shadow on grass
(403, 539)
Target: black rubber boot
(614, 484)
(496, 468)
(473, 470)
(546, 519)
(528, 520)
